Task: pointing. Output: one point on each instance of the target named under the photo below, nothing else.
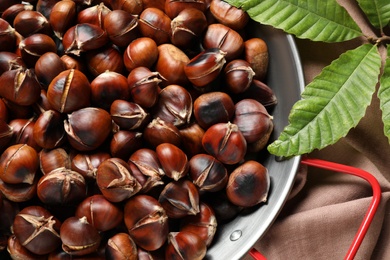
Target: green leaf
(323, 20)
(384, 95)
(377, 11)
(331, 104)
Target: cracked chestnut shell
(37, 230)
(155, 24)
(116, 181)
(128, 115)
(51, 159)
(48, 131)
(146, 221)
(185, 245)
(121, 246)
(87, 163)
(248, 184)
(68, 91)
(158, 131)
(79, 237)
(88, 128)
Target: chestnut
(21, 192)
(212, 108)
(87, 163)
(94, 14)
(53, 159)
(124, 143)
(48, 66)
(70, 90)
(7, 36)
(37, 230)
(261, 92)
(20, 86)
(174, 105)
(248, 184)
(146, 221)
(115, 180)
(155, 24)
(185, 245)
(128, 115)
(61, 186)
(100, 212)
(63, 15)
(205, 67)
(121, 246)
(134, 7)
(34, 46)
(146, 161)
(228, 40)
(18, 164)
(83, 37)
(141, 52)
(121, 27)
(18, 251)
(225, 142)
(79, 237)
(11, 12)
(23, 132)
(10, 61)
(147, 182)
(256, 53)
(108, 87)
(174, 7)
(48, 131)
(173, 160)
(180, 198)
(229, 15)
(74, 62)
(170, 64)
(238, 76)
(191, 136)
(158, 131)
(204, 224)
(106, 58)
(29, 22)
(207, 173)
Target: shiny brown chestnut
(34, 46)
(87, 128)
(187, 27)
(147, 182)
(121, 27)
(10, 61)
(48, 131)
(207, 173)
(191, 136)
(74, 62)
(70, 90)
(254, 122)
(121, 246)
(115, 180)
(205, 67)
(61, 187)
(83, 37)
(185, 245)
(53, 159)
(62, 16)
(37, 230)
(144, 85)
(174, 105)
(170, 64)
(79, 237)
(204, 224)
(146, 221)
(20, 86)
(248, 184)
(94, 14)
(180, 198)
(229, 15)
(108, 87)
(238, 76)
(11, 12)
(7, 36)
(23, 132)
(19, 164)
(158, 131)
(100, 212)
(124, 143)
(261, 92)
(45, 6)
(225, 142)
(128, 115)
(222, 37)
(141, 52)
(256, 53)
(47, 67)
(29, 22)
(106, 58)
(87, 163)
(134, 7)
(155, 24)
(18, 251)
(212, 108)
(174, 7)
(6, 4)
(173, 160)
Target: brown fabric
(325, 208)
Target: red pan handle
(376, 197)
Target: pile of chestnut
(128, 128)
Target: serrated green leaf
(384, 95)
(377, 11)
(323, 20)
(331, 104)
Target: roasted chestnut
(53, 159)
(106, 58)
(174, 7)
(185, 245)
(121, 246)
(48, 66)
(48, 131)
(29, 22)
(142, 52)
(173, 160)
(124, 143)
(63, 15)
(128, 115)
(191, 136)
(34, 46)
(238, 76)
(229, 15)
(87, 163)
(94, 14)
(7, 36)
(256, 53)
(155, 24)
(158, 131)
(10, 61)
